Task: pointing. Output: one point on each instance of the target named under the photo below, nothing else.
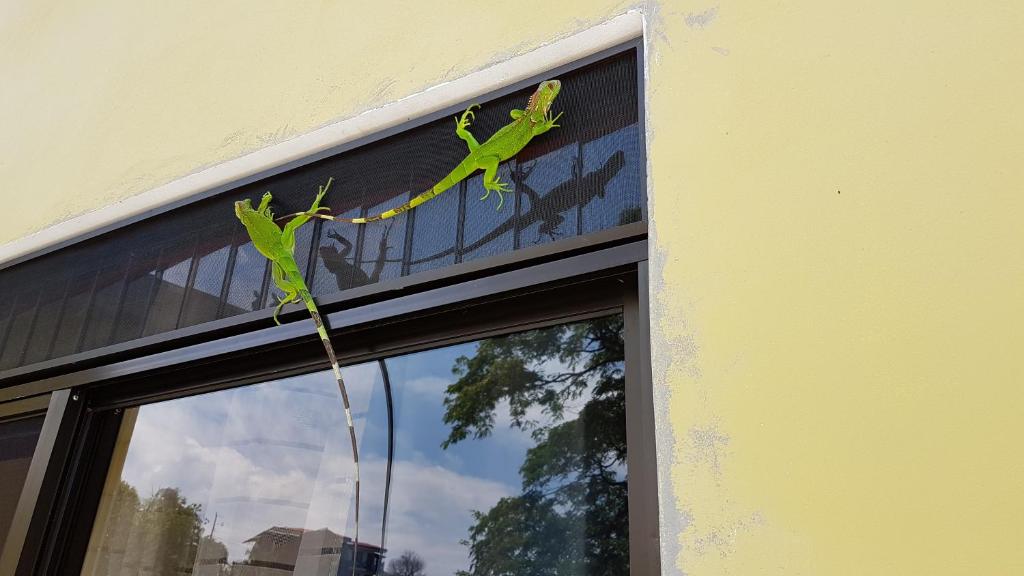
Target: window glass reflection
(18, 440)
(510, 456)
(505, 456)
(250, 481)
(487, 230)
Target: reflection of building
(281, 551)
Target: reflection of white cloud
(429, 386)
(431, 512)
(256, 457)
(278, 455)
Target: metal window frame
(113, 349)
(86, 406)
(34, 491)
(85, 393)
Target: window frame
(597, 283)
(51, 407)
(464, 270)
(572, 279)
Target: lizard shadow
(346, 273)
(578, 191)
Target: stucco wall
(837, 270)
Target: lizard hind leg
(491, 180)
(281, 301)
(291, 293)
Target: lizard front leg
(462, 123)
(547, 124)
(491, 180)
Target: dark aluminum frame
(573, 279)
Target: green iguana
(279, 247)
(504, 144)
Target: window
(488, 457)
(195, 264)
(495, 362)
(17, 444)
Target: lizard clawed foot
(499, 187)
(461, 123)
(550, 122)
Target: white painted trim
(559, 52)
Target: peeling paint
(701, 19)
(705, 447)
(723, 539)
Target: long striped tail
(307, 298)
(459, 173)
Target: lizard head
(544, 96)
(243, 208)
(246, 213)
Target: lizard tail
(307, 298)
(459, 173)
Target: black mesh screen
(196, 264)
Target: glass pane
(383, 245)
(253, 481)
(17, 443)
(510, 455)
(488, 231)
(508, 458)
(433, 236)
(335, 260)
(550, 197)
(246, 283)
(203, 299)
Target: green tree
(571, 517)
(159, 535)
(171, 529)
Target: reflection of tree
(571, 516)
(408, 564)
(159, 535)
(173, 527)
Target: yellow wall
(837, 206)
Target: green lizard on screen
(279, 247)
(504, 144)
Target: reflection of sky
(483, 216)
(434, 232)
(273, 454)
(326, 281)
(626, 189)
(394, 227)
(435, 491)
(277, 454)
(246, 277)
(552, 172)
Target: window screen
(195, 264)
